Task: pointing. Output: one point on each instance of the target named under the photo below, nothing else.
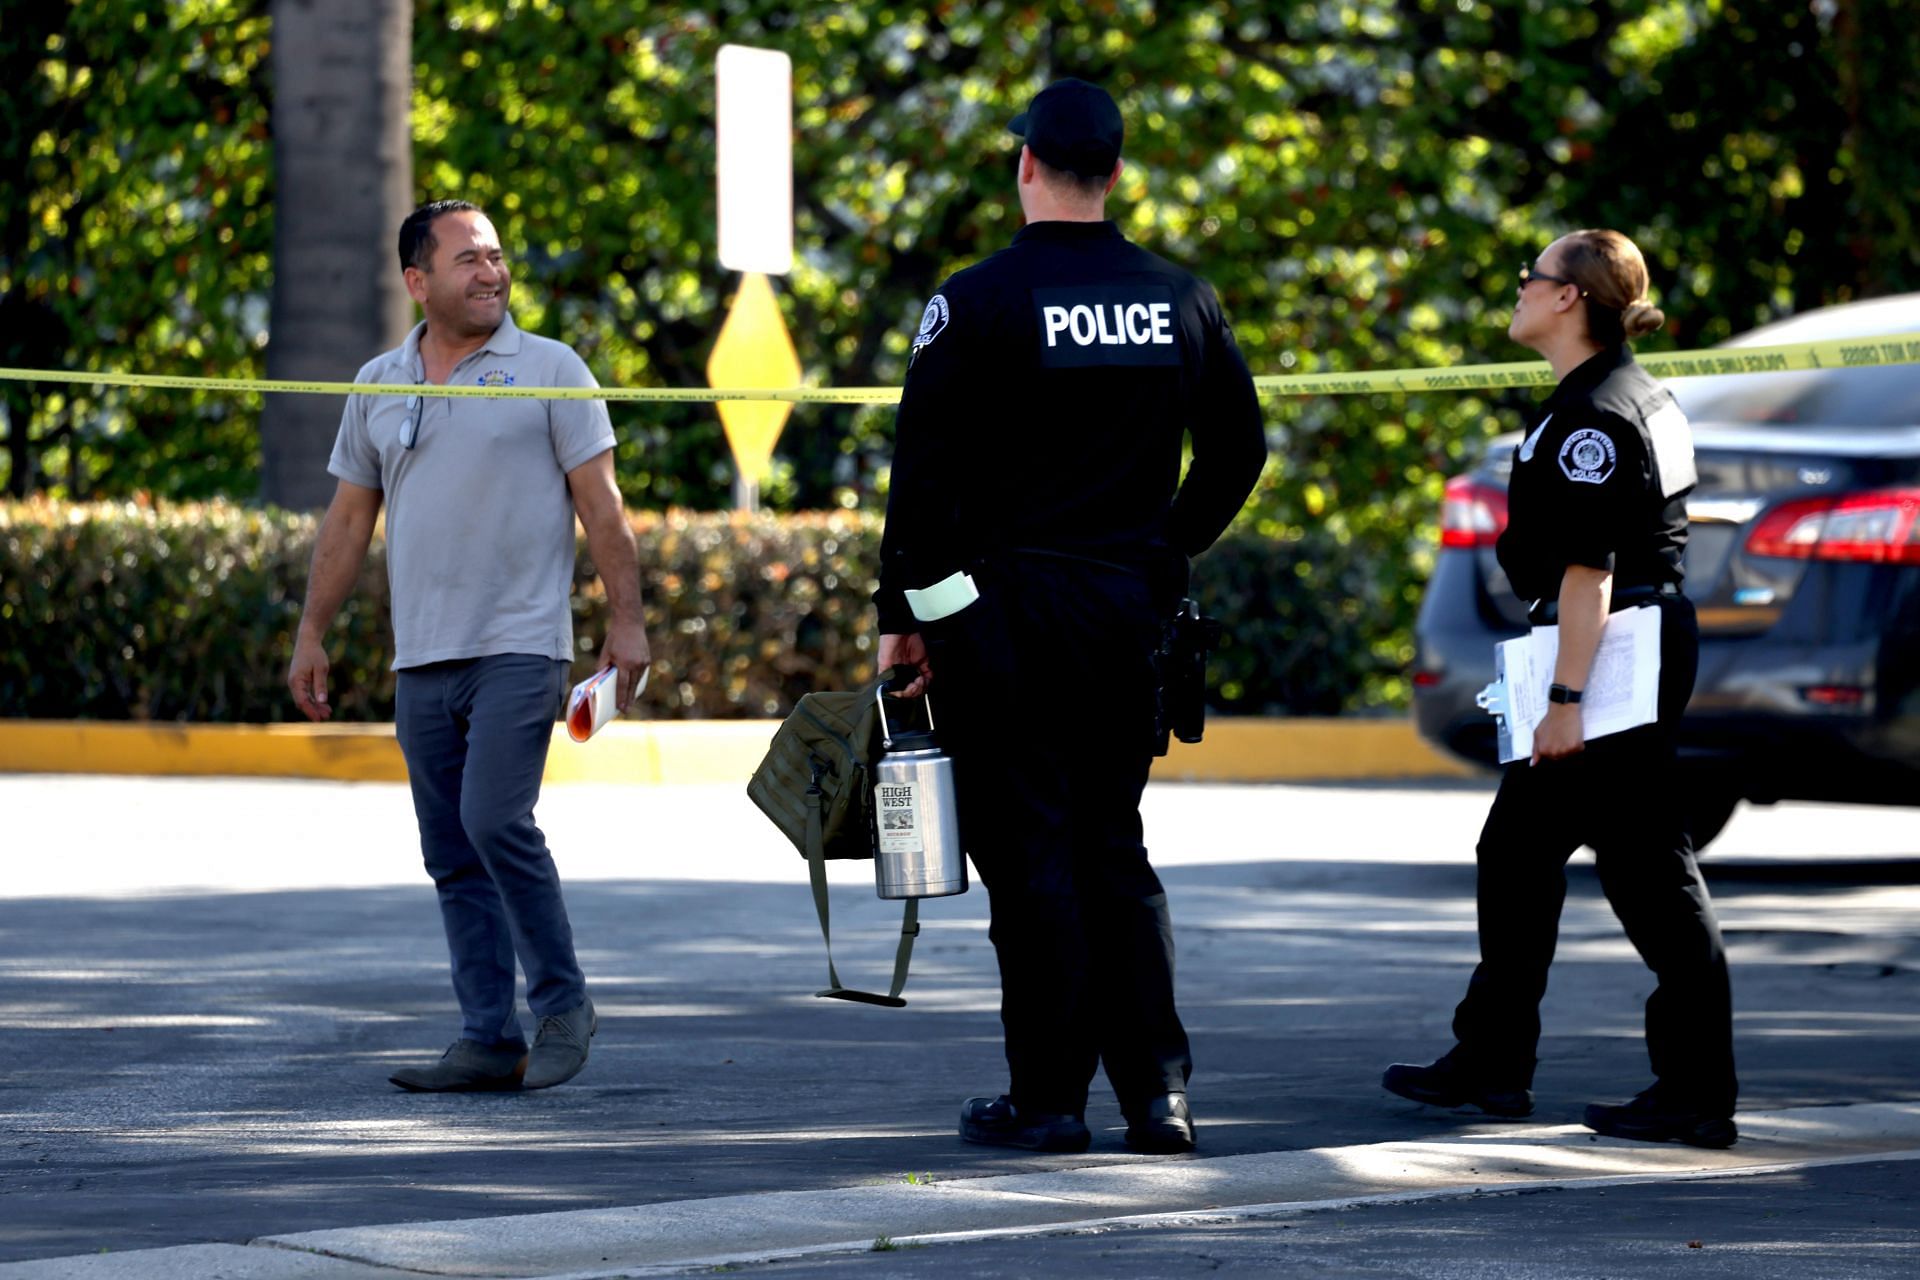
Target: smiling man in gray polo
(480, 495)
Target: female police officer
(1597, 524)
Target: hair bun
(1641, 318)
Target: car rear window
(1886, 396)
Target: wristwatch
(1560, 693)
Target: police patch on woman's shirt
(1588, 456)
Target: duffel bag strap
(909, 922)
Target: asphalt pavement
(206, 983)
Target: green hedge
(187, 612)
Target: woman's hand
(1560, 735)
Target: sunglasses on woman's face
(1530, 273)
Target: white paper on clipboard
(1623, 685)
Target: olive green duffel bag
(816, 785)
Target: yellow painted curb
(1262, 749)
(1240, 749)
(346, 752)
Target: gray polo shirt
(480, 526)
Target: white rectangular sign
(754, 122)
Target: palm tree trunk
(343, 168)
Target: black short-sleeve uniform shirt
(1048, 392)
(1600, 481)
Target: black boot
(1452, 1083)
(1657, 1116)
(994, 1122)
(1161, 1126)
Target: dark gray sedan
(1803, 561)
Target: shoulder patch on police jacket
(1085, 325)
(1588, 456)
(1672, 439)
(932, 322)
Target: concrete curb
(1238, 749)
(727, 1230)
(1253, 1212)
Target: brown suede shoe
(467, 1067)
(560, 1047)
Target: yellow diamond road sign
(753, 350)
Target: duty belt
(1546, 613)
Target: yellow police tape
(1901, 348)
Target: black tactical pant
(1620, 797)
(1043, 694)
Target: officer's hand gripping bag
(816, 785)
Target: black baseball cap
(1073, 125)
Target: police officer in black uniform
(1598, 524)
(1038, 453)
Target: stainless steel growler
(916, 815)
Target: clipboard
(1623, 685)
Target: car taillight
(1880, 526)
(1472, 514)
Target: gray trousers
(475, 733)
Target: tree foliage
(1358, 181)
(135, 234)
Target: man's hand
(626, 648)
(307, 677)
(338, 553)
(907, 650)
(1560, 735)
(596, 498)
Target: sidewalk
(204, 985)
(731, 1231)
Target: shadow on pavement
(212, 1066)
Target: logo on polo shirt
(494, 378)
(1107, 325)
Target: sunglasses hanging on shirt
(410, 425)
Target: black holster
(1180, 667)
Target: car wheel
(1707, 810)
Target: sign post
(754, 129)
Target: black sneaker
(1161, 1126)
(994, 1122)
(1653, 1117)
(1447, 1083)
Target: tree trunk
(343, 168)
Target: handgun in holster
(1180, 664)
